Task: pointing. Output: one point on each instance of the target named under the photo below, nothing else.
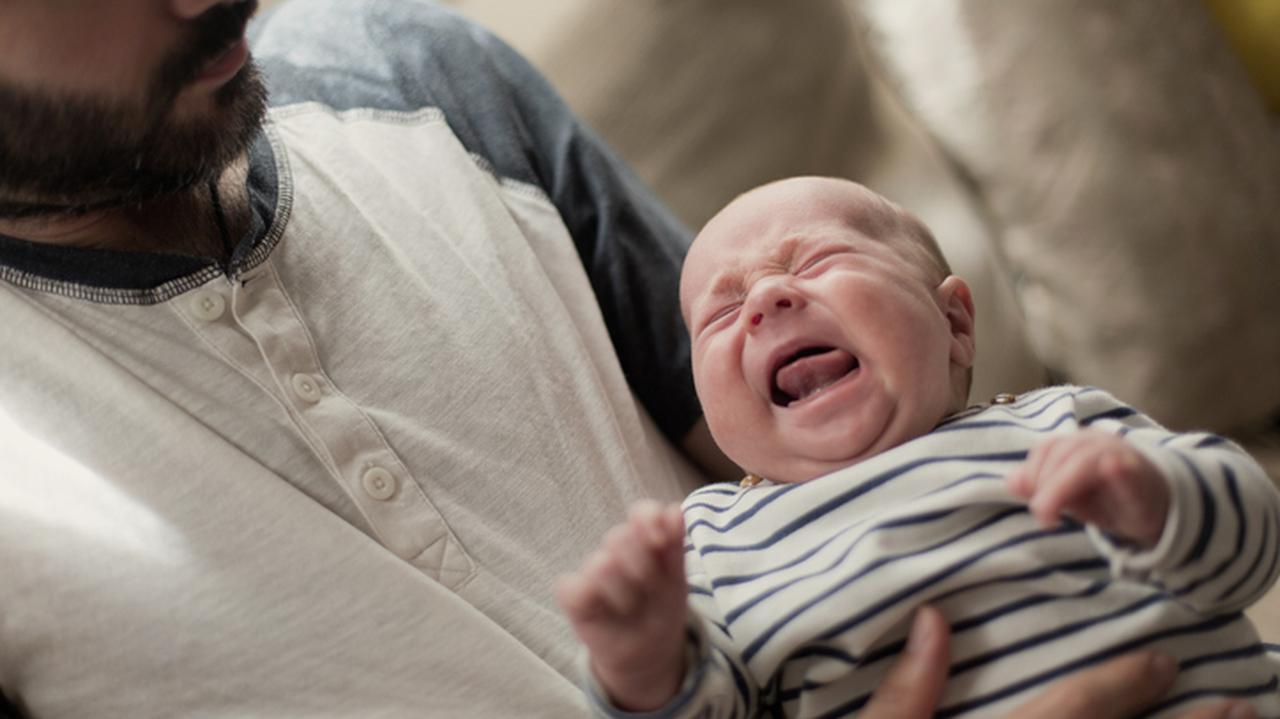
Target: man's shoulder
(406, 56)
(382, 54)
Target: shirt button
(208, 306)
(306, 387)
(379, 484)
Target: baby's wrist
(643, 690)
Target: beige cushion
(1134, 178)
(708, 98)
(705, 98)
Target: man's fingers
(915, 683)
(1115, 690)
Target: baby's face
(815, 345)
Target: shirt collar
(134, 277)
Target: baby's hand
(1097, 478)
(628, 602)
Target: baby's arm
(1207, 532)
(628, 604)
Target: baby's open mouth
(808, 372)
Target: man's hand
(1097, 478)
(1121, 688)
(915, 683)
(628, 605)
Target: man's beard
(66, 154)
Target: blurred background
(1105, 175)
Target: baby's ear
(956, 303)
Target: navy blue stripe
(907, 521)
(1210, 441)
(976, 476)
(1013, 424)
(774, 495)
(1045, 637)
(759, 641)
(901, 595)
(872, 566)
(1079, 663)
(1233, 493)
(1078, 565)
(844, 555)
(740, 682)
(1251, 650)
(1252, 690)
(1253, 566)
(736, 492)
(1115, 413)
(893, 649)
(1061, 670)
(941, 574)
(1210, 508)
(836, 502)
(1269, 577)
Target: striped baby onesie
(805, 591)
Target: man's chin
(131, 191)
(100, 167)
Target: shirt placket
(255, 325)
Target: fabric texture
(805, 592)
(1131, 171)
(318, 481)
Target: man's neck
(182, 223)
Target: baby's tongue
(807, 375)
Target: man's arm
(701, 447)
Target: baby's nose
(769, 299)
(781, 304)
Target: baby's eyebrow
(727, 284)
(732, 282)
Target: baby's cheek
(741, 435)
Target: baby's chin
(795, 471)
(799, 466)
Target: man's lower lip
(227, 64)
